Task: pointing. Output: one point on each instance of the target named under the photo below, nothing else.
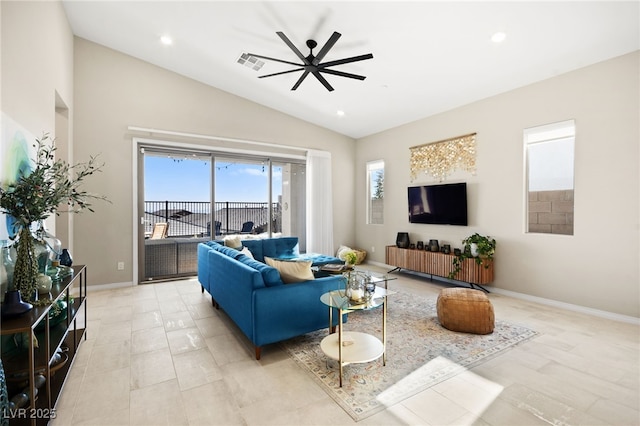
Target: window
(375, 192)
(549, 151)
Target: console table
(439, 264)
(54, 334)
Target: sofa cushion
(319, 259)
(231, 252)
(270, 275)
(255, 247)
(292, 271)
(281, 248)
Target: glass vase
(355, 287)
(6, 268)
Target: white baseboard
(541, 300)
(568, 306)
(101, 287)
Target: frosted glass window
(375, 192)
(549, 156)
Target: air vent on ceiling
(250, 61)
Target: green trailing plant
(53, 186)
(486, 249)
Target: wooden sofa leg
(202, 289)
(214, 303)
(258, 352)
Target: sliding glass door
(187, 197)
(177, 211)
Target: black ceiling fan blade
(280, 73)
(327, 46)
(293, 47)
(322, 80)
(273, 59)
(346, 60)
(342, 74)
(300, 80)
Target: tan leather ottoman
(465, 310)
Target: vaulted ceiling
(428, 56)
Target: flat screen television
(444, 204)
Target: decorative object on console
(13, 304)
(65, 258)
(446, 249)
(402, 240)
(6, 267)
(433, 245)
(412, 246)
(485, 247)
(420, 245)
(44, 283)
(439, 159)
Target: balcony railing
(194, 218)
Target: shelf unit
(439, 264)
(24, 365)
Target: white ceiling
(429, 56)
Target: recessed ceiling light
(166, 40)
(340, 113)
(498, 37)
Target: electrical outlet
(120, 266)
(373, 249)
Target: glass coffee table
(349, 347)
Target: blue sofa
(254, 296)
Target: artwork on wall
(439, 159)
(16, 152)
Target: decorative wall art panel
(17, 149)
(439, 159)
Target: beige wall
(598, 266)
(114, 91)
(37, 74)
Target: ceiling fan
(312, 63)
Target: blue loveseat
(254, 296)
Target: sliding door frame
(214, 151)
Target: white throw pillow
(341, 251)
(246, 251)
(292, 271)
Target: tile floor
(160, 354)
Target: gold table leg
(340, 344)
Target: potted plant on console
(34, 195)
(478, 247)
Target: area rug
(420, 354)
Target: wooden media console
(439, 264)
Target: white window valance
(439, 159)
